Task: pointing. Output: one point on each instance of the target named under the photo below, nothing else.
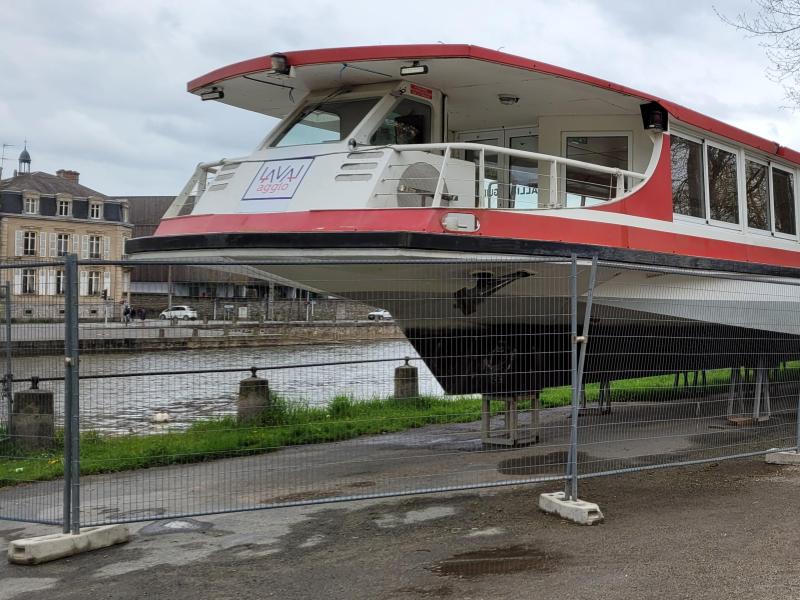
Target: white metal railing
(556, 192)
(199, 180)
(555, 163)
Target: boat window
(722, 185)
(588, 188)
(524, 173)
(491, 166)
(409, 122)
(688, 197)
(325, 122)
(783, 189)
(757, 186)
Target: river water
(130, 403)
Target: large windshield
(325, 122)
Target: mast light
(214, 93)
(279, 64)
(414, 69)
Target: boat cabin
(444, 130)
(464, 128)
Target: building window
(31, 205)
(61, 282)
(95, 246)
(93, 288)
(64, 208)
(688, 191)
(29, 243)
(28, 281)
(62, 244)
(95, 210)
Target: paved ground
(727, 530)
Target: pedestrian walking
(142, 315)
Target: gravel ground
(727, 530)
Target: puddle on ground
(498, 561)
(537, 464)
(176, 526)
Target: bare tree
(776, 23)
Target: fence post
(578, 363)
(8, 379)
(72, 458)
(571, 488)
(587, 315)
(797, 445)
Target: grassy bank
(288, 424)
(285, 425)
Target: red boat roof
(361, 54)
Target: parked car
(179, 312)
(379, 315)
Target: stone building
(43, 217)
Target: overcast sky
(100, 86)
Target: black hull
(507, 360)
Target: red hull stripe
(492, 224)
(432, 51)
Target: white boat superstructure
(392, 165)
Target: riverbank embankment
(47, 339)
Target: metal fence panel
(166, 394)
(32, 412)
(698, 368)
(382, 378)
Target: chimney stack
(68, 175)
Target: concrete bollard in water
(32, 423)
(254, 398)
(406, 381)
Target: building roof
(47, 184)
(25, 156)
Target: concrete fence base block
(789, 457)
(577, 511)
(35, 550)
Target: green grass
(288, 424)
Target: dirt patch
(333, 492)
(443, 591)
(538, 464)
(498, 561)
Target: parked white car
(179, 312)
(379, 315)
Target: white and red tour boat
(392, 164)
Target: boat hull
(500, 324)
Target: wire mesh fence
(216, 387)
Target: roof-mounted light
(508, 99)
(214, 93)
(279, 64)
(414, 69)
